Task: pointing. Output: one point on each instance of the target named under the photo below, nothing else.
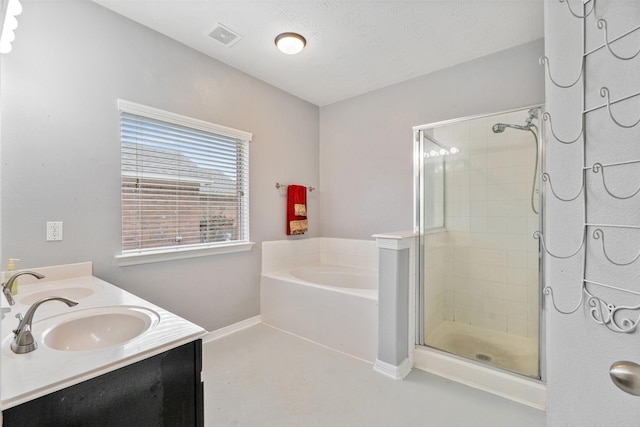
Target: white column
(396, 297)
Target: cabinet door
(163, 390)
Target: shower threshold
(475, 373)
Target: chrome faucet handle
(6, 290)
(19, 317)
(23, 341)
(6, 286)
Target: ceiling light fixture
(290, 43)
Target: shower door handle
(626, 375)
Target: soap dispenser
(11, 269)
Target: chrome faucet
(6, 287)
(23, 341)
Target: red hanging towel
(297, 210)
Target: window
(185, 186)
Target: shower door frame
(419, 225)
(418, 206)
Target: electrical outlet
(54, 231)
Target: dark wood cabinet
(163, 390)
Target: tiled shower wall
(491, 274)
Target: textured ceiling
(353, 47)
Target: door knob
(626, 375)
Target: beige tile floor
(265, 377)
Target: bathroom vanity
(114, 359)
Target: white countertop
(45, 370)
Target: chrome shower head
(498, 128)
(533, 114)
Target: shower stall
(478, 203)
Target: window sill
(146, 257)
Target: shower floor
(510, 352)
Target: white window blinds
(185, 182)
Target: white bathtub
(334, 306)
(355, 281)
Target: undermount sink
(74, 293)
(98, 328)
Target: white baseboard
(228, 330)
(392, 371)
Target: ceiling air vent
(224, 35)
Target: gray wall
(60, 147)
(70, 62)
(366, 150)
(580, 351)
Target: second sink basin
(76, 292)
(97, 328)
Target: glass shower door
(479, 274)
